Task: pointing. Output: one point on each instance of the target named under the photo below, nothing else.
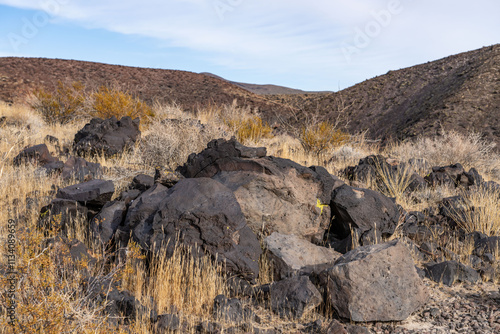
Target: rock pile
(330, 243)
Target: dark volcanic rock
(203, 214)
(93, 193)
(106, 222)
(142, 182)
(38, 154)
(108, 136)
(450, 272)
(375, 283)
(81, 170)
(370, 214)
(292, 256)
(292, 297)
(141, 212)
(219, 155)
(275, 195)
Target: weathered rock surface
(94, 193)
(375, 283)
(202, 213)
(106, 222)
(38, 154)
(275, 195)
(451, 272)
(292, 297)
(109, 136)
(141, 212)
(81, 170)
(371, 215)
(292, 255)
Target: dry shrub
(249, 130)
(108, 102)
(60, 106)
(168, 143)
(452, 147)
(72, 101)
(322, 136)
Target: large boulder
(275, 195)
(369, 214)
(375, 283)
(292, 255)
(204, 215)
(94, 193)
(109, 136)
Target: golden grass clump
(320, 137)
(74, 101)
(62, 105)
(108, 102)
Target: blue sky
(310, 45)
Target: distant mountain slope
(189, 90)
(261, 89)
(461, 92)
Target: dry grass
(50, 296)
(452, 147)
(479, 211)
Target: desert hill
(460, 92)
(262, 89)
(188, 90)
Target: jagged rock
(142, 182)
(128, 196)
(450, 272)
(38, 154)
(292, 297)
(375, 283)
(106, 222)
(371, 215)
(275, 195)
(93, 193)
(108, 136)
(81, 170)
(141, 212)
(452, 175)
(204, 215)
(292, 255)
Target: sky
(312, 45)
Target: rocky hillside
(461, 92)
(18, 76)
(262, 89)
